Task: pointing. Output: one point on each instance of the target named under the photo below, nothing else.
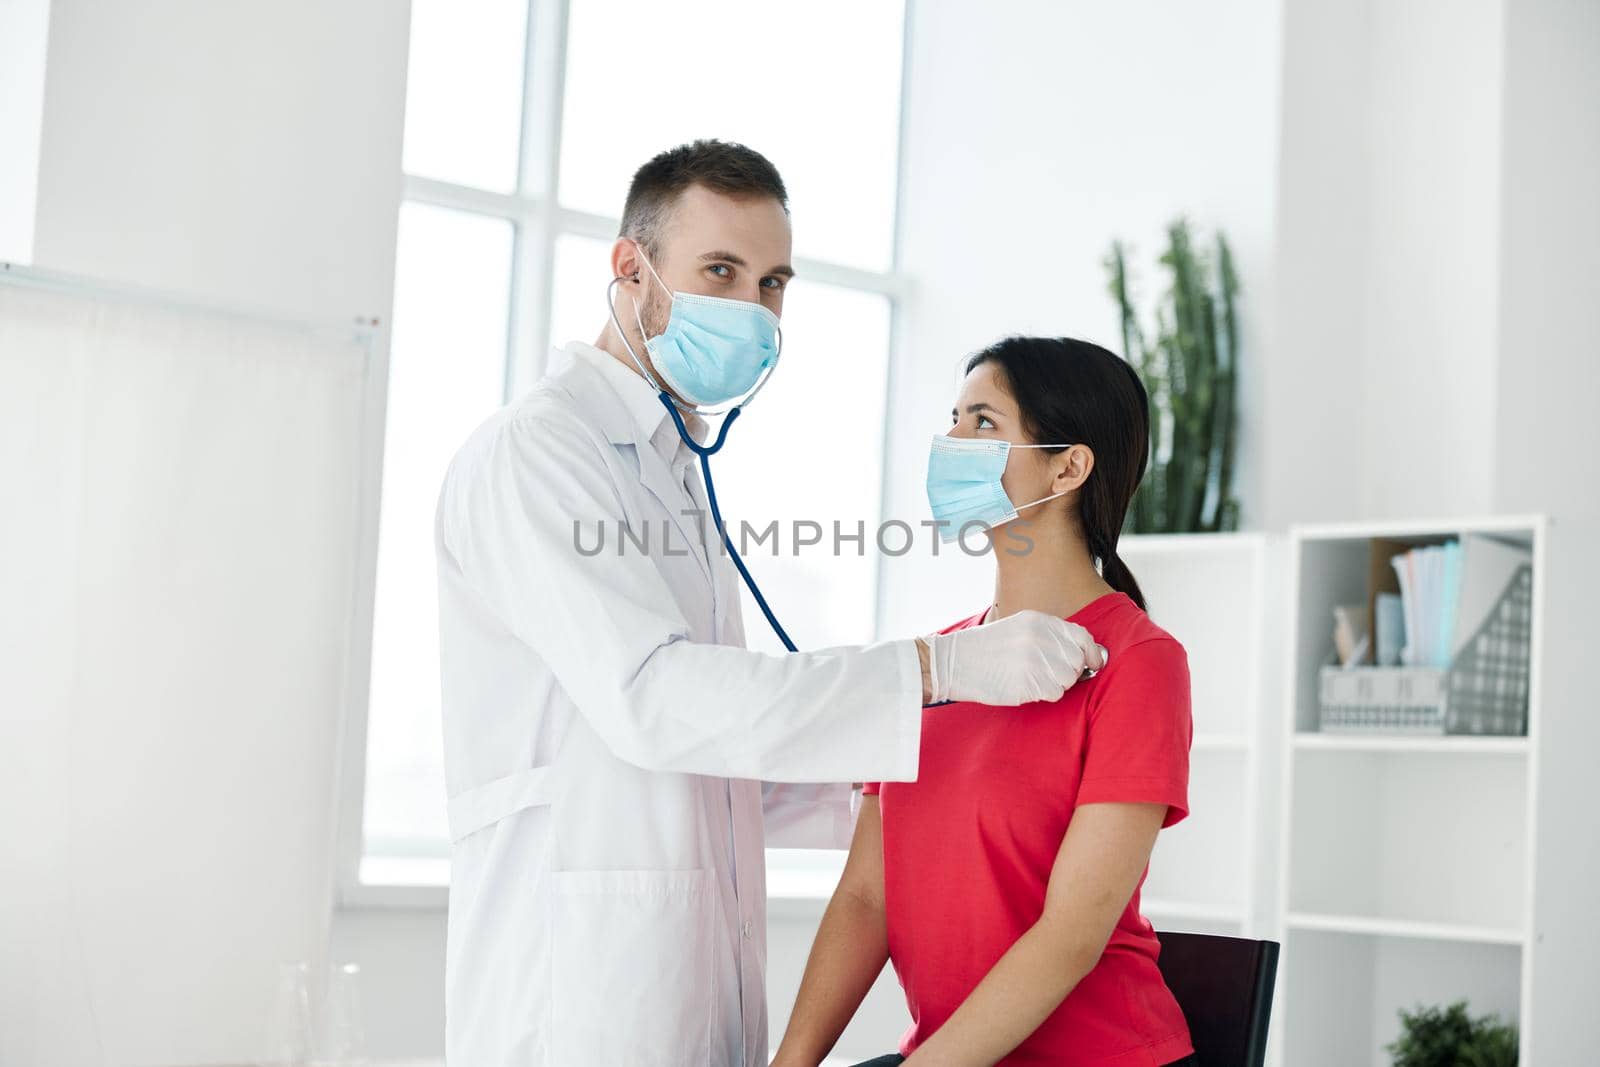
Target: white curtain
(178, 563)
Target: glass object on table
(344, 1040)
(289, 1033)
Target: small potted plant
(1449, 1037)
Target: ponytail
(1119, 577)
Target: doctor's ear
(625, 260)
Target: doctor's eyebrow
(975, 409)
(719, 256)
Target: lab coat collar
(641, 418)
(629, 412)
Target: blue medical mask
(964, 483)
(713, 349)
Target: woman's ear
(1073, 468)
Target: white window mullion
(544, 84)
(461, 197)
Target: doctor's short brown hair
(721, 166)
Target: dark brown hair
(1074, 392)
(722, 166)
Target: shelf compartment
(1332, 566)
(1342, 991)
(1406, 836)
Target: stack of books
(1446, 592)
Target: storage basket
(1485, 691)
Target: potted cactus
(1189, 365)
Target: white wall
(1312, 374)
(1547, 457)
(246, 154)
(1380, 381)
(1431, 270)
(1036, 133)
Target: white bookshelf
(1407, 863)
(1219, 594)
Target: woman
(1004, 882)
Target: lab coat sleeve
(611, 632)
(809, 816)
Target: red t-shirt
(968, 846)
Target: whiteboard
(179, 544)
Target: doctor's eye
(721, 270)
(985, 423)
(773, 282)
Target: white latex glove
(1015, 660)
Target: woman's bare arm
(851, 948)
(1102, 856)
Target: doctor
(616, 759)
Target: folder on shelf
(1486, 566)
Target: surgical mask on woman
(964, 483)
(713, 349)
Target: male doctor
(613, 752)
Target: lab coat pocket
(633, 979)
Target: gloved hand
(1015, 660)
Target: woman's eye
(984, 423)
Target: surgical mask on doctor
(964, 483)
(713, 349)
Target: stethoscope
(705, 452)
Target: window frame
(538, 221)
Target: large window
(524, 123)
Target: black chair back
(1224, 986)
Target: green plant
(1189, 368)
(1449, 1037)
(1495, 1046)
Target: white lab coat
(609, 744)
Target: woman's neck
(1054, 575)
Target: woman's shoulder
(1146, 668)
(1125, 627)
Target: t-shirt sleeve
(1139, 731)
(870, 789)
